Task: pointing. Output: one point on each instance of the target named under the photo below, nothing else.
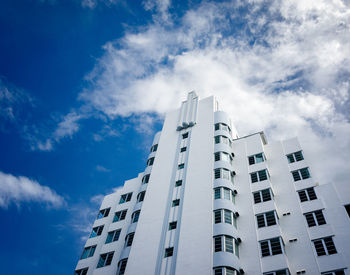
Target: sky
(85, 84)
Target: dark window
(217, 156)
(258, 176)
(181, 166)
(325, 246)
(154, 148)
(301, 174)
(266, 219)
(297, 156)
(278, 272)
(185, 135)
(176, 202)
(335, 272)
(347, 208)
(217, 216)
(168, 252)
(217, 139)
(217, 173)
(183, 149)
(96, 231)
(81, 271)
(315, 218)
(172, 225)
(150, 161)
(145, 179)
(217, 244)
(103, 213)
(113, 236)
(135, 216)
(129, 238)
(256, 159)
(88, 252)
(271, 247)
(178, 183)
(105, 259)
(262, 196)
(125, 198)
(119, 216)
(307, 194)
(141, 196)
(122, 266)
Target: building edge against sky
(211, 202)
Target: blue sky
(84, 85)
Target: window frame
(295, 157)
(129, 238)
(124, 198)
(135, 216)
(224, 244)
(298, 174)
(82, 271)
(325, 248)
(307, 194)
(253, 159)
(121, 215)
(141, 196)
(122, 266)
(261, 195)
(315, 218)
(103, 213)
(258, 176)
(96, 231)
(107, 261)
(266, 222)
(169, 252)
(271, 252)
(115, 234)
(88, 250)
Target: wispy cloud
(19, 190)
(100, 168)
(282, 67)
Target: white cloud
(19, 190)
(282, 67)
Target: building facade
(211, 202)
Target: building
(211, 202)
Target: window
(122, 266)
(225, 270)
(307, 194)
(223, 156)
(176, 202)
(185, 135)
(266, 219)
(278, 272)
(222, 139)
(183, 149)
(145, 179)
(150, 161)
(135, 216)
(258, 176)
(256, 158)
(334, 272)
(105, 259)
(301, 174)
(224, 216)
(154, 148)
(271, 247)
(141, 196)
(347, 208)
(222, 126)
(88, 252)
(181, 166)
(172, 225)
(119, 216)
(113, 236)
(222, 173)
(168, 252)
(96, 231)
(262, 196)
(224, 193)
(225, 243)
(103, 213)
(324, 246)
(315, 218)
(128, 239)
(297, 156)
(81, 271)
(125, 198)
(178, 183)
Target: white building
(211, 202)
